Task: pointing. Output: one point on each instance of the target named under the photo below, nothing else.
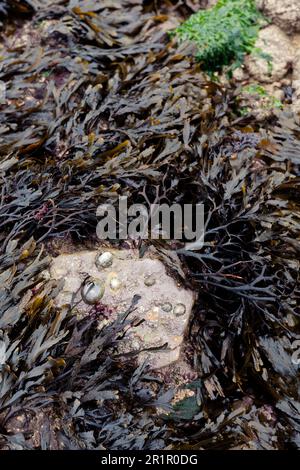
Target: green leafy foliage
(222, 34)
(254, 94)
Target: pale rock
(296, 96)
(161, 326)
(296, 61)
(283, 13)
(239, 74)
(296, 74)
(277, 45)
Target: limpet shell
(179, 310)
(104, 260)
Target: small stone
(115, 283)
(135, 345)
(149, 280)
(46, 275)
(166, 307)
(179, 310)
(278, 94)
(153, 315)
(104, 260)
(239, 74)
(92, 291)
(291, 320)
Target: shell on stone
(104, 260)
(179, 309)
(149, 280)
(92, 291)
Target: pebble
(149, 280)
(115, 283)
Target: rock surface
(157, 305)
(296, 73)
(261, 101)
(276, 44)
(283, 13)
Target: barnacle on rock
(166, 307)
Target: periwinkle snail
(92, 291)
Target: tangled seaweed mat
(99, 104)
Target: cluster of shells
(93, 289)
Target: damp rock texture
(296, 73)
(283, 13)
(277, 58)
(164, 305)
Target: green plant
(255, 89)
(269, 101)
(223, 34)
